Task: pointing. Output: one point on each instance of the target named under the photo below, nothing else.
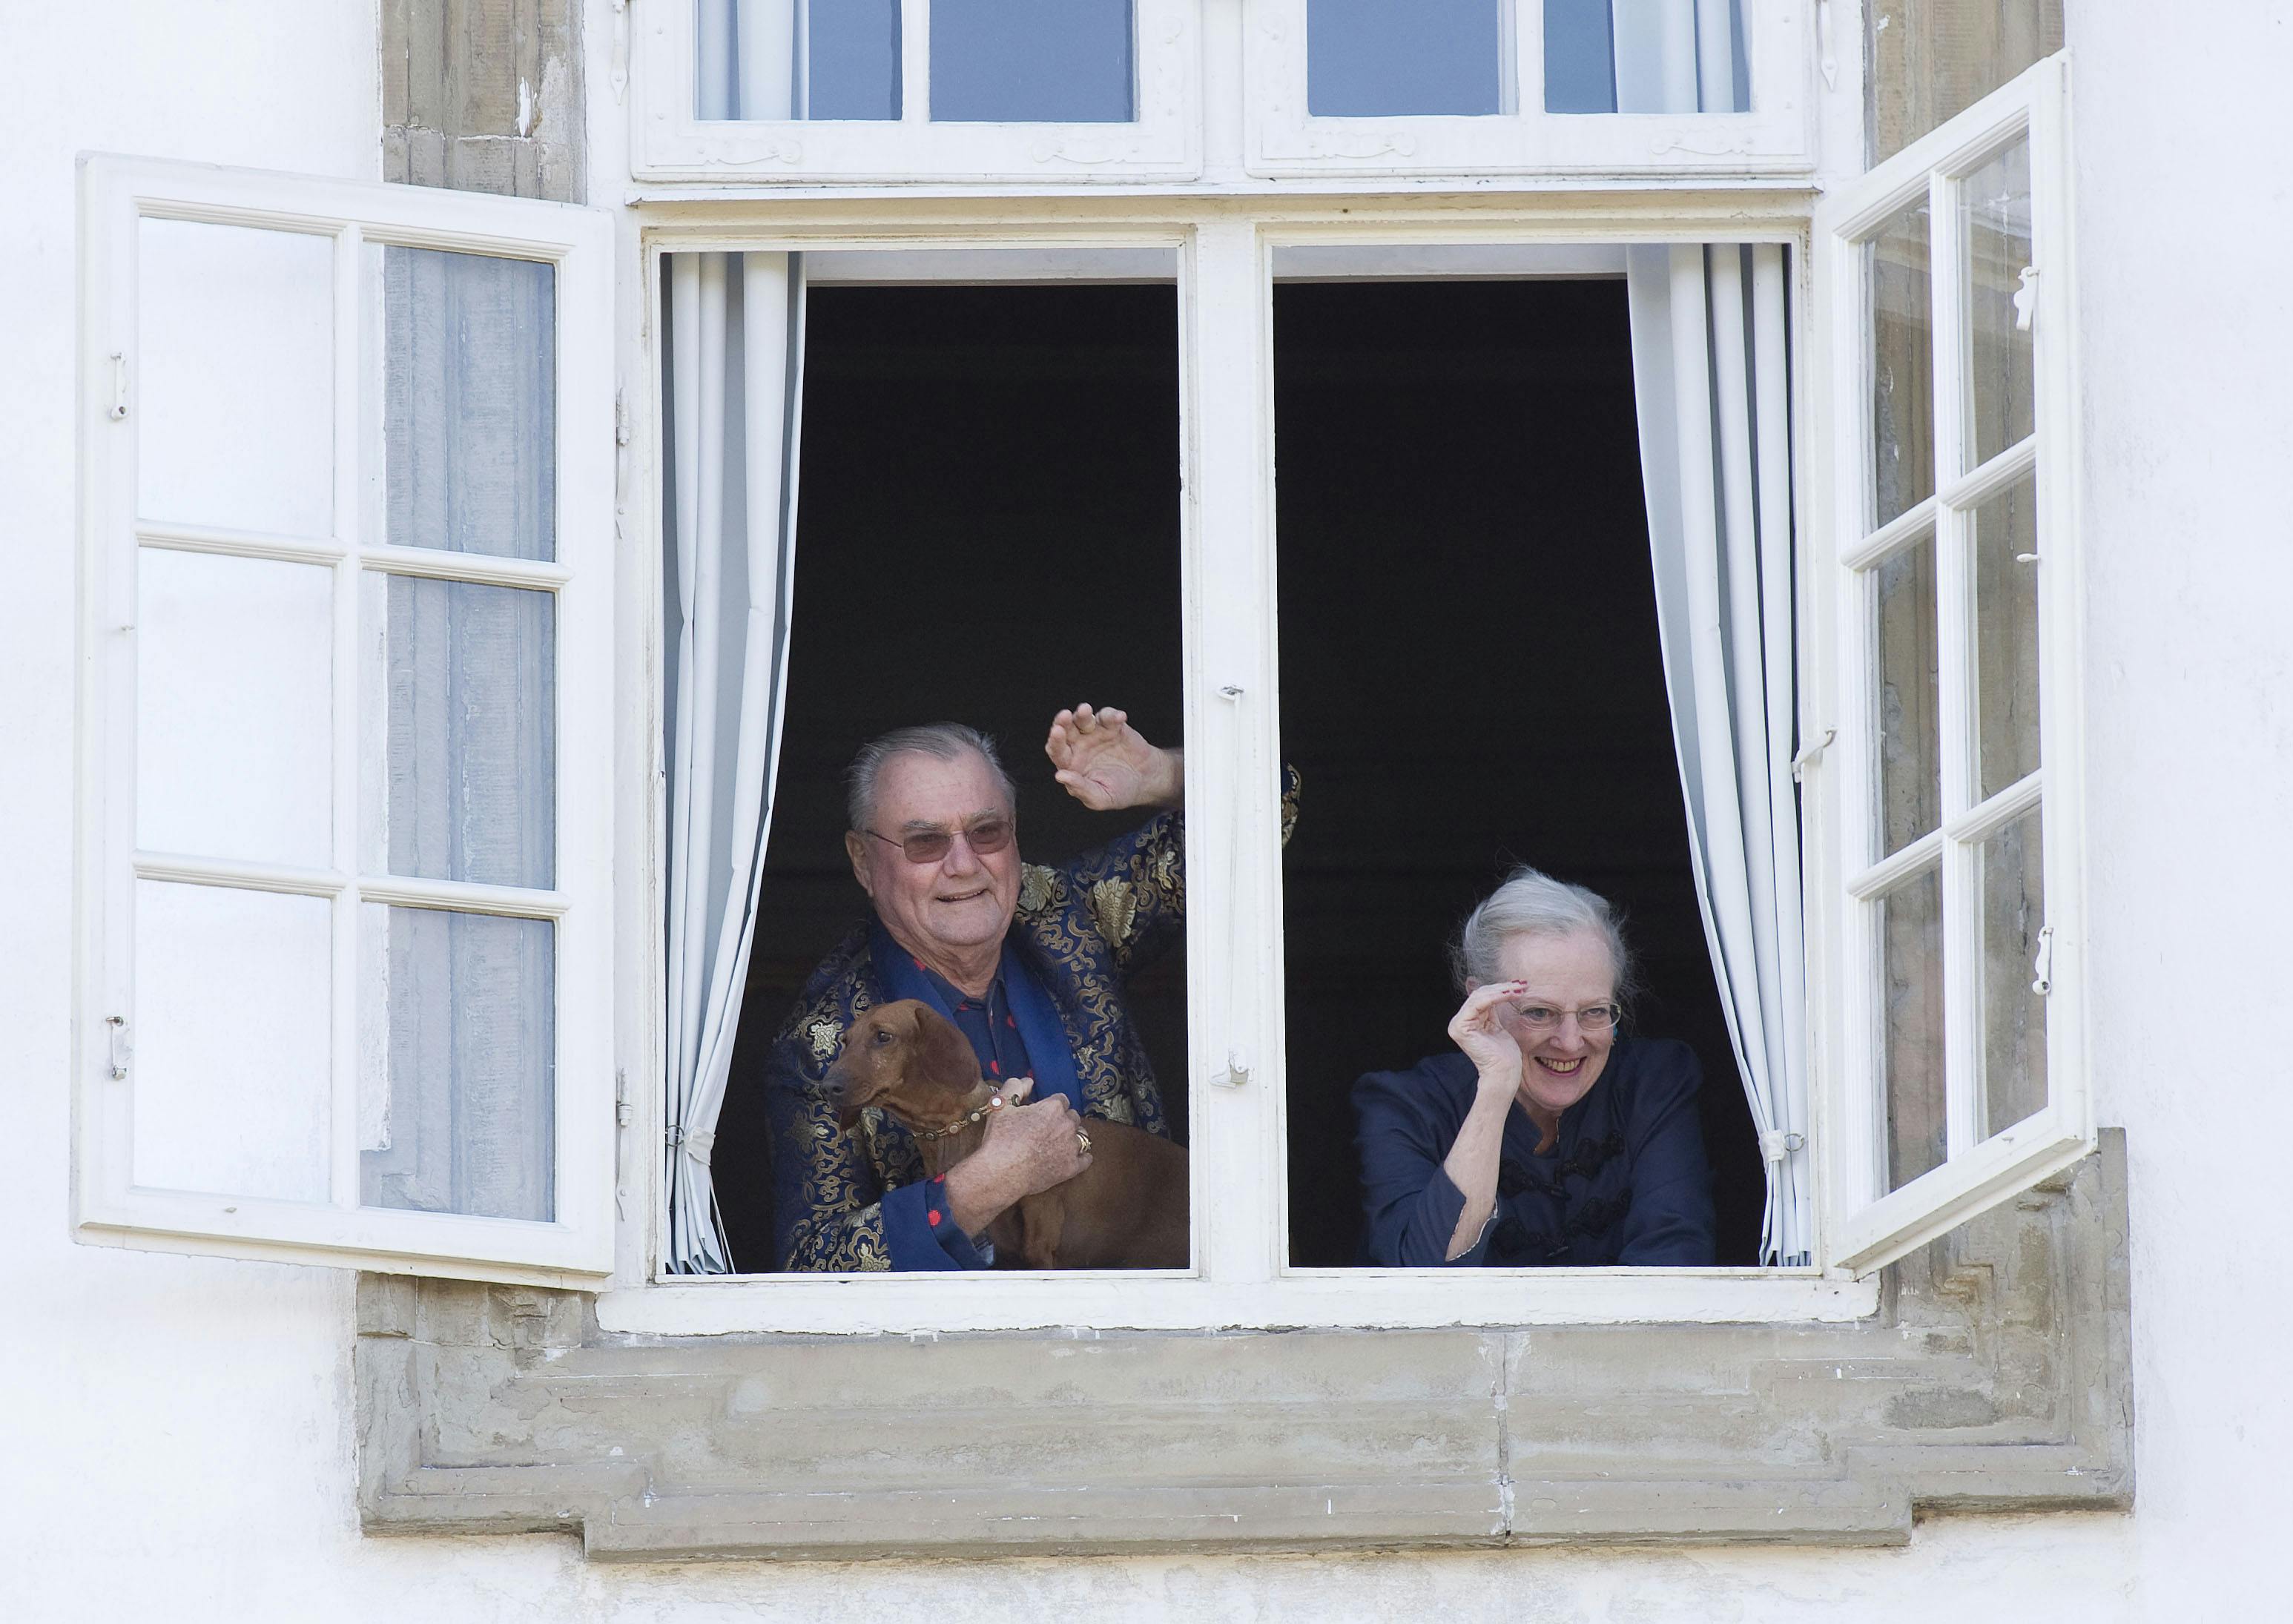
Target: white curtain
(736, 361)
(748, 59)
(1709, 368)
(736, 325)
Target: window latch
(1812, 753)
(117, 1032)
(2026, 299)
(2044, 963)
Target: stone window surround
(1995, 1376)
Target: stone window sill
(1994, 1377)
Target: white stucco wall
(176, 1431)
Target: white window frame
(1162, 141)
(1772, 139)
(1241, 1276)
(108, 1207)
(1867, 1225)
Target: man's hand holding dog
(1027, 1147)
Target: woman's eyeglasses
(985, 837)
(1592, 1018)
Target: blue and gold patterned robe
(849, 1201)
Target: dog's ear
(943, 1057)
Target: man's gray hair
(1532, 903)
(940, 740)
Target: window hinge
(2026, 299)
(120, 1050)
(1825, 55)
(2044, 963)
(118, 385)
(622, 1109)
(1812, 753)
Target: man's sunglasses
(985, 837)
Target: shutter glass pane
(1902, 364)
(234, 378)
(469, 400)
(458, 1063)
(1059, 62)
(2006, 637)
(2013, 1012)
(233, 691)
(1368, 59)
(1910, 697)
(852, 60)
(231, 1071)
(1911, 982)
(1994, 224)
(459, 687)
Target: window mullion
(1233, 829)
(349, 489)
(915, 62)
(1955, 652)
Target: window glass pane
(1676, 56)
(852, 60)
(1994, 221)
(1036, 61)
(1911, 1016)
(456, 1062)
(458, 686)
(775, 60)
(2013, 1012)
(234, 686)
(1580, 63)
(1910, 697)
(230, 1068)
(234, 377)
(1368, 59)
(1902, 364)
(2006, 637)
(469, 400)
(1471, 677)
(1927, 60)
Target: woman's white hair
(1532, 903)
(940, 740)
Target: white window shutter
(1954, 1068)
(342, 988)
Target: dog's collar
(960, 1123)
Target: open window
(1955, 1071)
(343, 988)
(774, 90)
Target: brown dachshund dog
(1126, 1210)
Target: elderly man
(1028, 961)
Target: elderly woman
(1548, 1138)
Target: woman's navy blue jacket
(1626, 1183)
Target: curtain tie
(1775, 1144)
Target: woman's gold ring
(1082, 1142)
